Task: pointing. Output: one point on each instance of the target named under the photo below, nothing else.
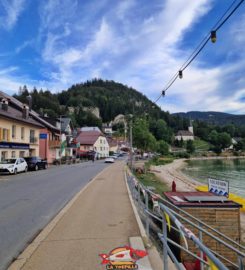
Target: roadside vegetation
(149, 179)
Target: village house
(45, 141)
(19, 132)
(185, 135)
(92, 139)
(113, 145)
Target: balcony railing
(54, 144)
(33, 139)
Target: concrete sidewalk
(100, 219)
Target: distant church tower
(190, 128)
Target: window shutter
(1, 131)
(8, 135)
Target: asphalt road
(28, 201)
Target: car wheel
(26, 169)
(36, 168)
(15, 171)
(46, 166)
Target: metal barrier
(171, 218)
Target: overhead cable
(202, 44)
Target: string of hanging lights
(212, 35)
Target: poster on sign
(218, 187)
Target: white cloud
(23, 46)
(138, 45)
(12, 9)
(8, 70)
(124, 7)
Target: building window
(4, 155)
(13, 131)
(22, 153)
(13, 154)
(5, 134)
(32, 136)
(22, 133)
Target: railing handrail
(191, 236)
(203, 248)
(209, 234)
(194, 218)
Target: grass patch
(201, 145)
(156, 161)
(149, 179)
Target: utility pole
(60, 139)
(131, 142)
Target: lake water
(232, 170)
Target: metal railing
(173, 218)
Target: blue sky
(52, 44)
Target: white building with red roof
(93, 140)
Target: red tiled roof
(88, 137)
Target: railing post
(147, 215)
(165, 252)
(201, 253)
(138, 195)
(240, 263)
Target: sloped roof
(88, 137)
(32, 113)
(90, 129)
(184, 133)
(112, 142)
(17, 115)
(65, 121)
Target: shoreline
(172, 171)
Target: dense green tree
(190, 147)
(163, 132)
(224, 140)
(213, 137)
(230, 129)
(142, 138)
(163, 147)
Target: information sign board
(218, 187)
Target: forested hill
(110, 97)
(214, 118)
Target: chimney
(5, 104)
(29, 98)
(25, 111)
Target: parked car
(36, 163)
(109, 160)
(13, 165)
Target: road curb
(153, 255)
(154, 259)
(30, 249)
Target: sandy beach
(172, 171)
